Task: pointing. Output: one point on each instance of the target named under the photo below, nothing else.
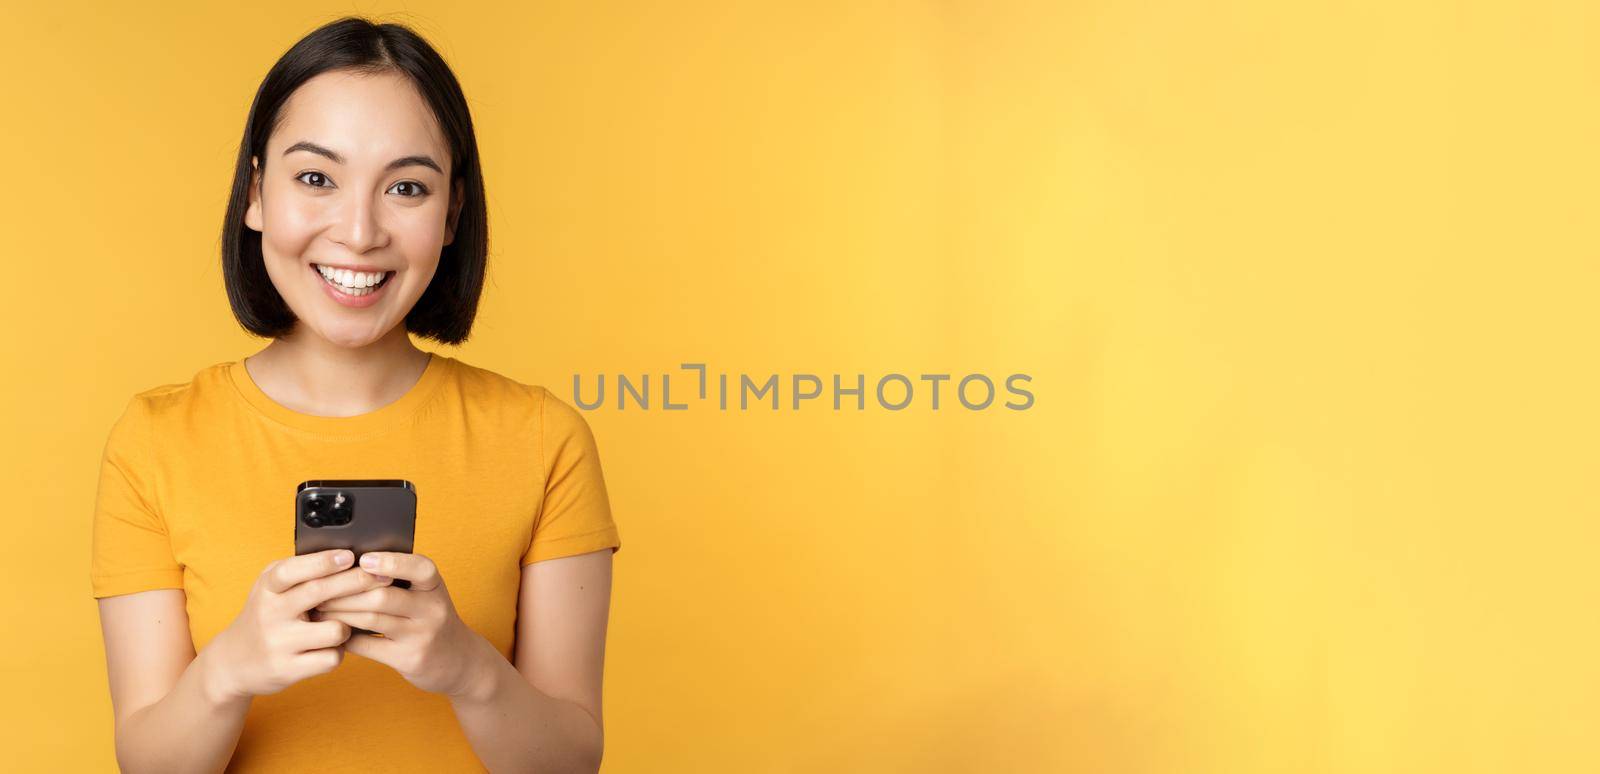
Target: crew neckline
(377, 420)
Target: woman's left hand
(423, 638)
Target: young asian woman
(356, 221)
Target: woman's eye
(418, 187)
(308, 174)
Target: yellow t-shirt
(196, 492)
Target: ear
(457, 198)
(252, 214)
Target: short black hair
(447, 307)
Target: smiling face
(355, 204)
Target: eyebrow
(403, 161)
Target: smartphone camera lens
(340, 509)
(316, 511)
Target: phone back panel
(383, 516)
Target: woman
(357, 218)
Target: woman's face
(355, 204)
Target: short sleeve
(575, 517)
(131, 551)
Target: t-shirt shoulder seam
(151, 403)
(155, 454)
(544, 473)
(166, 389)
(164, 393)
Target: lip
(354, 302)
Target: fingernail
(383, 578)
(369, 561)
(343, 558)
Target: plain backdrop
(1306, 291)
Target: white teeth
(353, 283)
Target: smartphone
(359, 514)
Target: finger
(418, 569)
(385, 599)
(315, 635)
(313, 662)
(388, 625)
(284, 574)
(380, 649)
(318, 590)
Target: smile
(353, 283)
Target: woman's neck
(309, 374)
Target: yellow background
(1306, 289)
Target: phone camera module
(329, 511)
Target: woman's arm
(543, 714)
(178, 712)
(171, 713)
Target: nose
(359, 228)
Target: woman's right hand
(273, 643)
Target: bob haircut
(448, 305)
